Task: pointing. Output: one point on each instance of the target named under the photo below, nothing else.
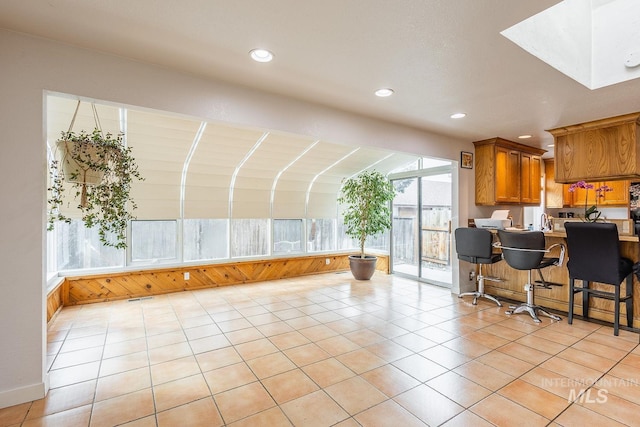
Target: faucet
(545, 222)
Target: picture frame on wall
(466, 160)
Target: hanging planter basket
(76, 159)
(100, 169)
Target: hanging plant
(101, 170)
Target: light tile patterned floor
(328, 350)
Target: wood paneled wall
(557, 298)
(54, 302)
(125, 285)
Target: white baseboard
(23, 394)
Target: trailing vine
(107, 203)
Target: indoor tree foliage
(106, 204)
(367, 198)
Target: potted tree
(100, 169)
(367, 199)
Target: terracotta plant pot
(362, 268)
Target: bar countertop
(562, 234)
(557, 297)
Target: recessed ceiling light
(551, 145)
(458, 115)
(384, 92)
(261, 55)
(524, 136)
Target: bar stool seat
(594, 256)
(474, 245)
(525, 250)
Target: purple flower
(580, 184)
(603, 189)
(592, 213)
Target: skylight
(594, 42)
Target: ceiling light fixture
(524, 136)
(261, 55)
(458, 115)
(384, 92)
(551, 145)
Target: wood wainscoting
(557, 297)
(140, 284)
(54, 301)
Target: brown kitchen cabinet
(580, 197)
(554, 191)
(530, 174)
(619, 196)
(600, 150)
(557, 195)
(507, 172)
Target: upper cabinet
(619, 194)
(607, 149)
(530, 174)
(507, 172)
(554, 191)
(557, 195)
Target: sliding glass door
(421, 234)
(406, 228)
(435, 232)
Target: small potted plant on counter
(591, 213)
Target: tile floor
(328, 350)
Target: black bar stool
(474, 245)
(594, 256)
(525, 250)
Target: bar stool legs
(529, 306)
(480, 292)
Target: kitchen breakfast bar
(602, 155)
(557, 297)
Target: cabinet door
(507, 175)
(581, 197)
(567, 196)
(530, 168)
(619, 196)
(602, 149)
(554, 197)
(485, 175)
(536, 179)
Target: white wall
(31, 66)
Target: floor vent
(138, 299)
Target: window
(154, 241)
(344, 241)
(80, 247)
(249, 237)
(320, 235)
(379, 242)
(287, 236)
(205, 239)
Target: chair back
(474, 245)
(594, 252)
(518, 240)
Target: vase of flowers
(591, 213)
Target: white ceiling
(440, 56)
(594, 42)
